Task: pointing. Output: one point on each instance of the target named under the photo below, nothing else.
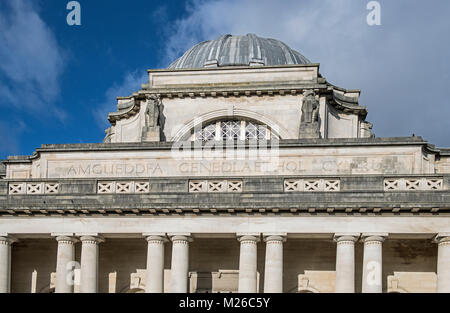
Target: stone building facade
(239, 168)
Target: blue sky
(58, 82)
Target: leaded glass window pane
(231, 130)
(234, 130)
(207, 133)
(254, 131)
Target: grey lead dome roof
(228, 50)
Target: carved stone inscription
(284, 165)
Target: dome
(247, 50)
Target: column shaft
(372, 264)
(155, 264)
(345, 264)
(89, 264)
(180, 264)
(247, 264)
(443, 265)
(64, 264)
(273, 270)
(5, 264)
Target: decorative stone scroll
(113, 187)
(215, 186)
(411, 184)
(33, 188)
(311, 185)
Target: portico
(262, 260)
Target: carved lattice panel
(434, 184)
(198, 186)
(413, 184)
(292, 185)
(141, 187)
(332, 185)
(125, 187)
(17, 188)
(235, 186)
(312, 185)
(35, 188)
(51, 188)
(106, 187)
(217, 186)
(391, 184)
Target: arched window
(234, 130)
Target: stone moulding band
(231, 209)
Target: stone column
(64, 264)
(180, 263)
(373, 263)
(443, 263)
(247, 263)
(5, 263)
(155, 263)
(273, 269)
(89, 263)
(345, 262)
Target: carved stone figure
(309, 122)
(109, 133)
(152, 128)
(366, 130)
(310, 108)
(152, 112)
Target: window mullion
(219, 135)
(242, 134)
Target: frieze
(282, 165)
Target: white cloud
(131, 83)
(31, 59)
(401, 67)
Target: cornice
(166, 146)
(231, 68)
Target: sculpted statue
(109, 133)
(310, 108)
(154, 120)
(309, 122)
(152, 113)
